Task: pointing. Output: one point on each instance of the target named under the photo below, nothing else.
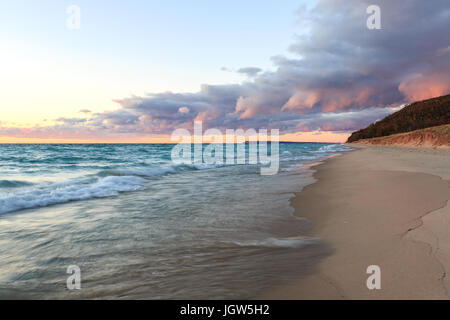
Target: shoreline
(383, 206)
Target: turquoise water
(141, 227)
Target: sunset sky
(137, 70)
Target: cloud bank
(341, 77)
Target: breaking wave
(68, 191)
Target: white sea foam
(299, 158)
(111, 183)
(297, 242)
(68, 191)
(333, 148)
(150, 172)
(204, 166)
(292, 168)
(145, 172)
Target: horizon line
(123, 143)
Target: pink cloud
(423, 87)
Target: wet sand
(383, 206)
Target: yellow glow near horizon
(294, 137)
(39, 85)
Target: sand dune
(434, 137)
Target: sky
(135, 71)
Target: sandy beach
(384, 206)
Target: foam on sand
(294, 242)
